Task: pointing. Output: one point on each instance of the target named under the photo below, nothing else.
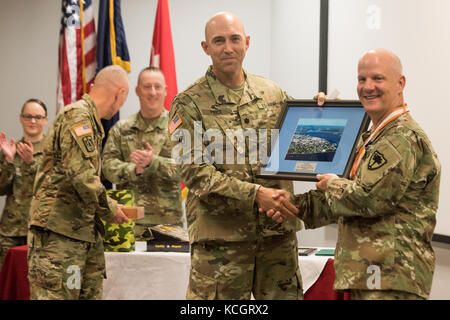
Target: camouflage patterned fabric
(16, 182)
(386, 215)
(158, 188)
(69, 201)
(60, 268)
(120, 237)
(226, 271)
(69, 196)
(220, 203)
(383, 295)
(221, 212)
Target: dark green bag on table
(120, 237)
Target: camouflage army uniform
(386, 214)
(233, 244)
(158, 188)
(69, 200)
(16, 182)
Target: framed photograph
(315, 139)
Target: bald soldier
(235, 250)
(387, 209)
(18, 163)
(66, 258)
(137, 156)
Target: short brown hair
(152, 69)
(39, 102)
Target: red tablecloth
(322, 289)
(13, 276)
(14, 281)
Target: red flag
(77, 47)
(162, 55)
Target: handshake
(276, 204)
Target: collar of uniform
(139, 122)
(220, 91)
(388, 125)
(94, 111)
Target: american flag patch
(175, 123)
(83, 130)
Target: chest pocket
(378, 163)
(156, 139)
(268, 114)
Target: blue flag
(111, 48)
(111, 42)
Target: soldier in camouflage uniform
(143, 137)
(387, 210)
(235, 250)
(18, 164)
(66, 258)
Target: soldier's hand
(277, 215)
(25, 151)
(323, 180)
(9, 149)
(321, 98)
(142, 158)
(120, 216)
(266, 202)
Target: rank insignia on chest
(377, 160)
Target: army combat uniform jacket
(16, 182)
(69, 198)
(220, 203)
(158, 188)
(386, 214)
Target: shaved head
(222, 18)
(385, 57)
(111, 78)
(110, 90)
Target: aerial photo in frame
(316, 139)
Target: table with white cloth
(165, 275)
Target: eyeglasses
(157, 87)
(29, 117)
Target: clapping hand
(25, 151)
(8, 148)
(142, 158)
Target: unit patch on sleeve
(377, 160)
(88, 143)
(84, 137)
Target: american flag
(77, 57)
